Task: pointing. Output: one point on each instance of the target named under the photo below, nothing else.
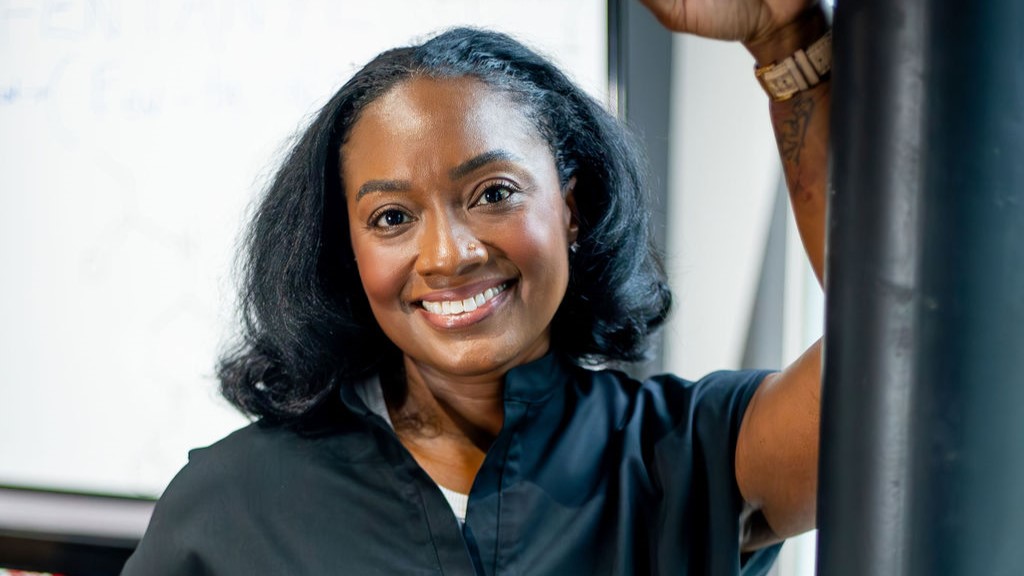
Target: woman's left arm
(777, 449)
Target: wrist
(794, 58)
(782, 42)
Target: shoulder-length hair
(306, 323)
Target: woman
(444, 260)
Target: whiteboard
(133, 137)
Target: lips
(465, 305)
(457, 306)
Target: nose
(448, 247)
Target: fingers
(666, 11)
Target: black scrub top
(592, 473)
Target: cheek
(541, 249)
(380, 272)
(376, 283)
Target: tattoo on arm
(793, 130)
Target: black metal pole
(922, 455)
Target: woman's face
(459, 225)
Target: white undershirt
(370, 392)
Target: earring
(574, 247)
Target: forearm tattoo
(793, 130)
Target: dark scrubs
(593, 473)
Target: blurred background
(134, 137)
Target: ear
(572, 222)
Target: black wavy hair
(306, 323)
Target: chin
(477, 364)
(477, 361)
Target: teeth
(448, 308)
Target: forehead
(430, 123)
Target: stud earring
(574, 247)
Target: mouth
(466, 305)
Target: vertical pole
(922, 455)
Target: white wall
(722, 181)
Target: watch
(804, 69)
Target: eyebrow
(456, 173)
(382, 186)
(479, 161)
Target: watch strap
(804, 69)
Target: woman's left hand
(768, 28)
(744, 20)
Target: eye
(389, 218)
(496, 192)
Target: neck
(438, 406)
(446, 424)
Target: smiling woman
(465, 118)
(435, 283)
